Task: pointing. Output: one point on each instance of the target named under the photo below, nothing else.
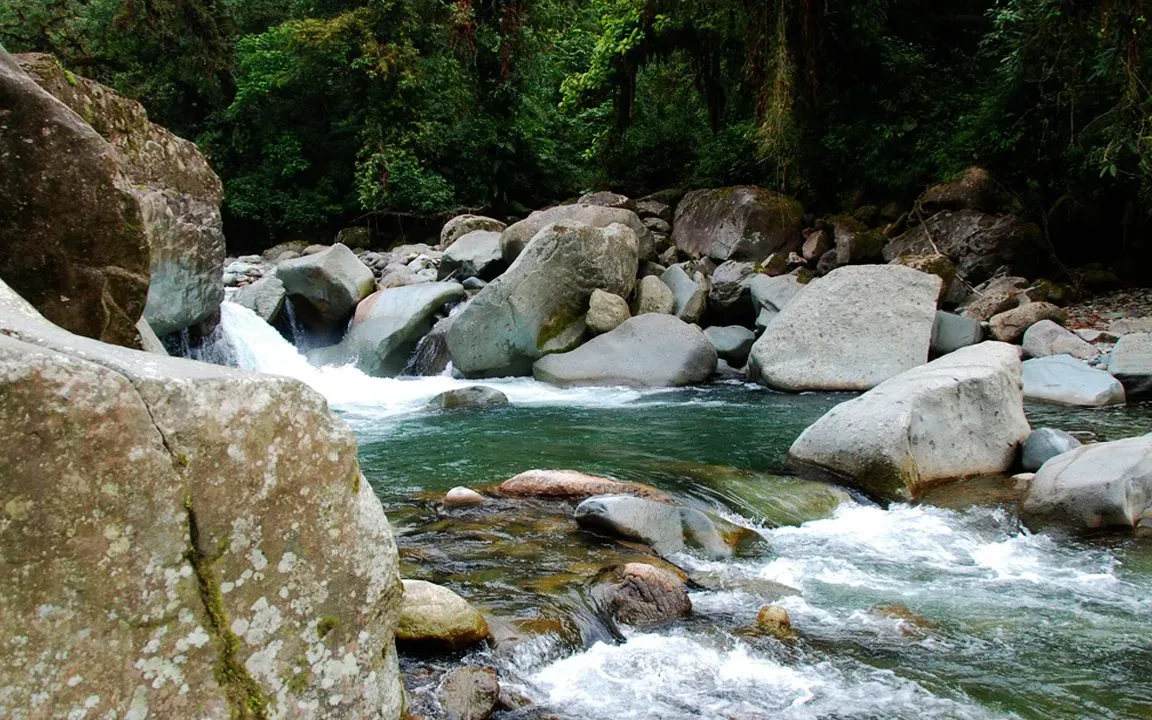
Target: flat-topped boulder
(570, 484)
(538, 305)
(650, 350)
(1065, 380)
(959, 416)
(849, 330)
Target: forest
(319, 113)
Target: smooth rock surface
(459, 497)
(689, 297)
(654, 523)
(770, 295)
(850, 330)
(732, 343)
(1064, 379)
(959, 416)
(433, 616)
(651, 350)
(198, 518)
(570, 484)
(1095, 486)
(543, 296)
(1010, 326)
(1046, 338)
(737, 223)
(265, 297)
(951, 332)
(1131, 363)
(477, 396)
(387, 328)
(1043, 445)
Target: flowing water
(912, 611)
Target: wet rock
(958, 416)
(265, 297)
(1064, 379)
(641, 595)
(716, 537)
(435, 618)
(543, 297)
(469, 693)
(979, 244)
(431, 355)
(606, 312)
(462, 225)
(207, 490)
(689, 296)
(770, 295)
(1131, 363)
(1010, 326)
(387, 327)
(1046, 338)
(654, 523)
(332, 282)
(469, 397)
(737, 223)
(517, 236)
(570, 484)
(77, 248)
(773, 620)
(476, 254)
(459, 497)
(974, 189)
(651, 350)
(653, 296)
(952, 332)
(1042, 445)
(850, 330)
(1094, 486)
(732, 343)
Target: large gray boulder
(732, 343)
(388, 325)
(1043, 445)
(956, 417)
(980, 244)
(1046, 338)
(518, 235)
(178, 194)
(689, 295)
(265, 297)
(462, 225)
(951, 332)
(1065, 380)
(476, 254)
(650, 350)
(1095, 486)
(1131, 363)
(770, 295)
(332, 282)
(541, 298)
(71, 226)
(737, 223)
(849, 330)
(204, 530)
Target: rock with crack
(641, 595)
(204, 530)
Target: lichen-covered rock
(641, 595)
(71, 225)
(855, 243)
(518, 235)
(850, 330)
(461, 225)
(737, 223)
(179, 196)
(570, 484)
(979, 244)
(773, 620)
(206, 547)
(956, 417)
(650, 350)
(540, 302)
(437, 618)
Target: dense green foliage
(314, 113)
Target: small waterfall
(215, 347)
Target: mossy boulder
(737, 223)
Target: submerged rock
(959, 416)
(1095, 486)
(469, 397)
(435, 618)
(1043, 445)
(641, 595)
(737, 223)
(570, 484)
(850, 330)
(469, 693)
(650, 350)
(665, 527)
(192, 508)
(387, 327)
(541, 298)
(1064, 379)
